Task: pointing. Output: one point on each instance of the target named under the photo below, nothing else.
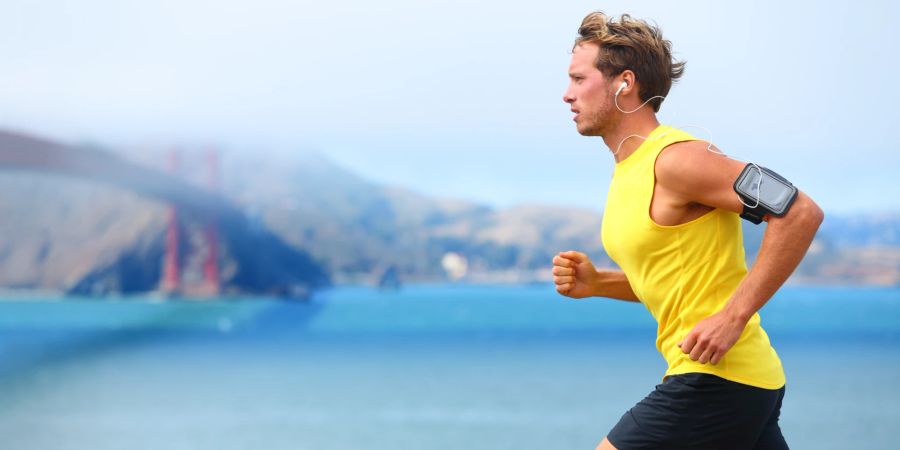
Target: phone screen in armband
(773, 192)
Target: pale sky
(460, 99)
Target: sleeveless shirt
(683, 273)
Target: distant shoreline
(13, 295)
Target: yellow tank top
(683, 273)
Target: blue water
(428, 367)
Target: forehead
(583, 57)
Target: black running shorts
(697, 411)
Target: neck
(640, 123)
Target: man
(672, 223)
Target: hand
(574, 274)
(712, 337)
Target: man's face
(589, 92)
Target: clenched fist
(574, 274)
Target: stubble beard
(599, 123)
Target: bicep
(696, 175)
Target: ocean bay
(430, 366)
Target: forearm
(614, 284)
(784, 244)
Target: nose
(568, 97)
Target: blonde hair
(632, 44)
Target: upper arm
(693, 174)
(689, 171)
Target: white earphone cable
(616, 101)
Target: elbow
(810, 214)
(805, 213)
(815, 214)
(819, 216)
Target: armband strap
(754, 215)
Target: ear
(628, 77)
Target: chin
(587, 127)
(588, 131)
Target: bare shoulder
(688, 158)
(698, 172)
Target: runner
(672, 223)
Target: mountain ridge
(357, 229)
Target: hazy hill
(81, 236)
(57, 232)
(357, 226)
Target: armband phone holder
(763, 192)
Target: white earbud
(625, 85)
